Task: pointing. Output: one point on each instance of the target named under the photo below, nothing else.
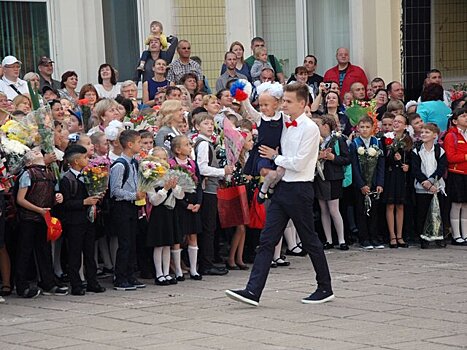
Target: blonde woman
(172, 116)
(104, 112)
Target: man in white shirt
(11, 84)
(292, 199)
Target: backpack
(126, 174)
(347, 168)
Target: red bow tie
(292, 123)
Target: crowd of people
(386, 173)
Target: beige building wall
(376, 37)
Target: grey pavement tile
(421, 345)
(57, 343)
(459, 340)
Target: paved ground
(390, 299)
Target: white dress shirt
(300, 148)
(202, 158)
(21, 85)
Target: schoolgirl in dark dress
(397, 148)
(187, 209)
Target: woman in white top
(107, 79)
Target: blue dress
(155, 86)
(269, 134)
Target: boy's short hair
(395, 105)
(74, 151)
(300, 90)
(366, 120)
(412, 116)
(388, 115)
(432, 127)
(329, 120)
(245, 124)
(169, 90)
(300, 69)
(127, 136)
(201, 117)
(157, 23)
(146, 134)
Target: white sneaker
(2, 300)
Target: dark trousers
(206, 239)
(367, 224)
(294, 201)
(81, 240)
(125, 223)
(143, 253)
(33, 238)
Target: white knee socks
(455, 216)
(193, 256)
(166, 260)
(157, 257)
(177, 262)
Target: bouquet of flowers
(96, 179)
(433, 227)
(184, 178)
(22, 131)
(141, 122)
(151, 170)
(45, 127)
(335, 135)
(358, 109)
(368, 158)
(14, 152)
(458, 91)
(394, 144)
(85, 110)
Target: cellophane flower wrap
(368, 158)
(335, 135)
(150, 172)
(22, 130)
(45, 127)
(96, 176)
(13, 152)
(96, 179)
(184, 178)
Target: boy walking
(124, 212)
(80, 232)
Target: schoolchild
(187, 209)
(36, 196)
(80, 232)
(124, 212)
(368, 179)
(163, 231)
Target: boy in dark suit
(368, 182)
(79, 230)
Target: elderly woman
(34, 79)
(105, 111)
(172, 116)
(68, 86)
(107, 86)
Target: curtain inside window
(24, 32)
(328, 29)
(121, 36)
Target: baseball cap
(44, 60)
(10, 60)
(47, 88)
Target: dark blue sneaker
(243, 296)
(318, 297)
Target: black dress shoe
(292, 252)
(327, 246)
(343, 246)
(96, 288)
(458, 241)
(78, 291)
(243, 267)
(281, 263)
(196, 277)
(161, 281)
(214, 271)
(180, 278)
(231, 267)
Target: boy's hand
(190, 207)
(228, 170)
(397, 156)
(91, 200)
(405, 168)
(43, 211)
(195, 208)
(426, 184)
(365, 190)
(379, 189)
(140, 195)
(50, 158)
(58, 198)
